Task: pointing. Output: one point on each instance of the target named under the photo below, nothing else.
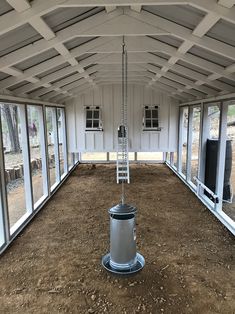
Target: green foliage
(231, 111)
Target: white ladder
(123, 172)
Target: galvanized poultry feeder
(123, 258)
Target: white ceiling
(54, 50)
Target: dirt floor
(54, 265)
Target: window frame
(151, 118)
(92, 119)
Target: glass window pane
(229, 205)
(168, 157)
(184, 139)
(95, 123)
(148, 123)
(89, 114)
(37, 152)
(89, 123)
(70, 160)
(94, 156)
(112, 156)
(52, 148)
(96, 114)
(212, 147)
(175, 159)
(195, 142)
(131, 156)
(147, 114)
(14, 161)
(157, 156)
(61, 136)
(155, 113)
(76, 157)
(2, 237)
(155, 123)
(214, 120)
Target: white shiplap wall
(108, 97)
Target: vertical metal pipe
(123, 116)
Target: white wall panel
(108, 97)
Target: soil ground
(54, 265)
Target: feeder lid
(122, 209)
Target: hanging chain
(124, 114)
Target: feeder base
(138, 266)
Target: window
(151, 121)
(52, 147)
(62, 141)
(17, 173)
(70, 160)
(196, 131)
(229, 174)
(150, 156)
(93, 156)
(93, 119)
(2, 235)
(37, 154)
(184, 144)
(33, 149)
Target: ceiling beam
(182, 71)
(12, 71)
(100, 24)
(110, 8)
(74, 90)
(60, 74)
(136, 7)
(14, 19)
(42, 28)
(202, 28)
(72, 60)
(62, 36)
(184, 33)
(144, 58)
(51, 63)
(107, 59)
(25, 100)
(206, 24)
(101, 73)
(109, 27)
(23, 53)
(197, 61)
(226, 3)
(94, 46)
(19, 5)
(207, 6)
(57, 85)
(172, 90)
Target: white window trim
(100, 127)
(151, 129)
